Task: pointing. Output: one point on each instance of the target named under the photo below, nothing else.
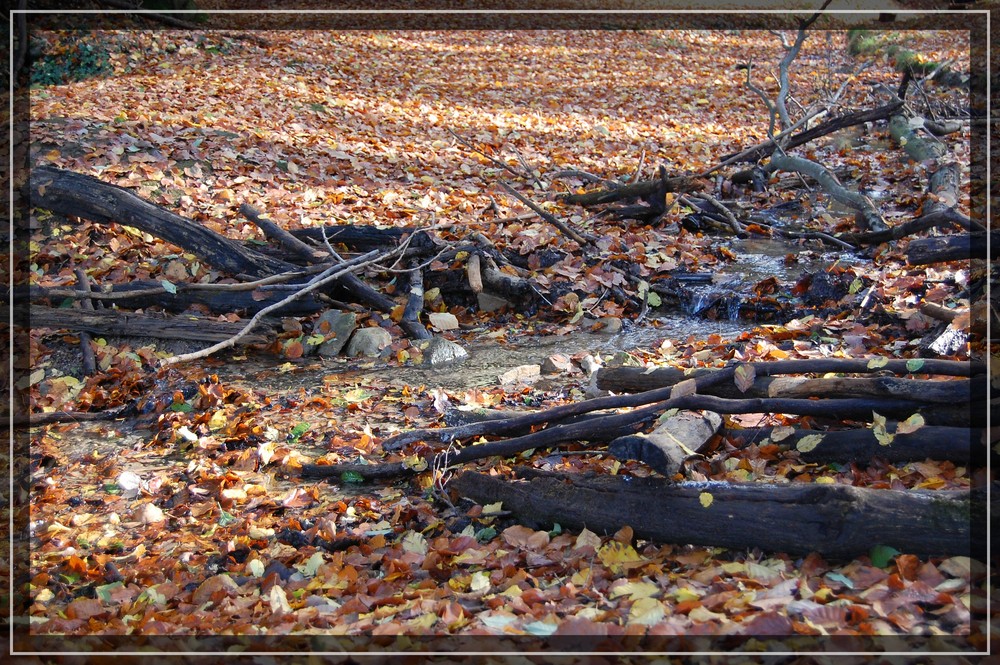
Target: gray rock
(340, 323)
(558, 363)
(368, 342)
(439, 351)
(609, 325)
(490, 303)
(589, 364)
(521, 374)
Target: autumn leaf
(808, 443)
(878, 429)
(911, 424)
(619, 557)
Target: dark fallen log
(363, 238)
(664, 383)
(220, 302)
(638, 190)
(837, 521)
(638, 379)
(955, 444)
(80, 195)
(115, 322)
(939, 392)
(940, 249)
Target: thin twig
(548, 217)
(506, 167)
(333, 273)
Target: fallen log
(130, 324)
(672, 443)
(80, 195)
(641, 189)
(837, 521)
(218, 301)
(918, 148)
(638, 379)
(960, 445)
(610, 427)
(940, 249)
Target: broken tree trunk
(81, 195)
(638, 379)
(837, 521)
(115, 322)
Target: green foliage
(71, 61)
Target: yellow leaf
(619, 557)
(635, 590)
(706, 499)
(809, 442)
(911, 424)
(647, 611)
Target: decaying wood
(671, 443)
(939, 249)
(961, 445)
(638, 379)
(638, 190)
(116, 322)
(81, 195)
(837, 521)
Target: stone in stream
(342, 324)
(557, 363)
(438, 351)
(368, 342)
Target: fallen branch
(621, 424)
(867, 214)
(548, 217)
(322, 279)
(287, 240)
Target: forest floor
(189, 518)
